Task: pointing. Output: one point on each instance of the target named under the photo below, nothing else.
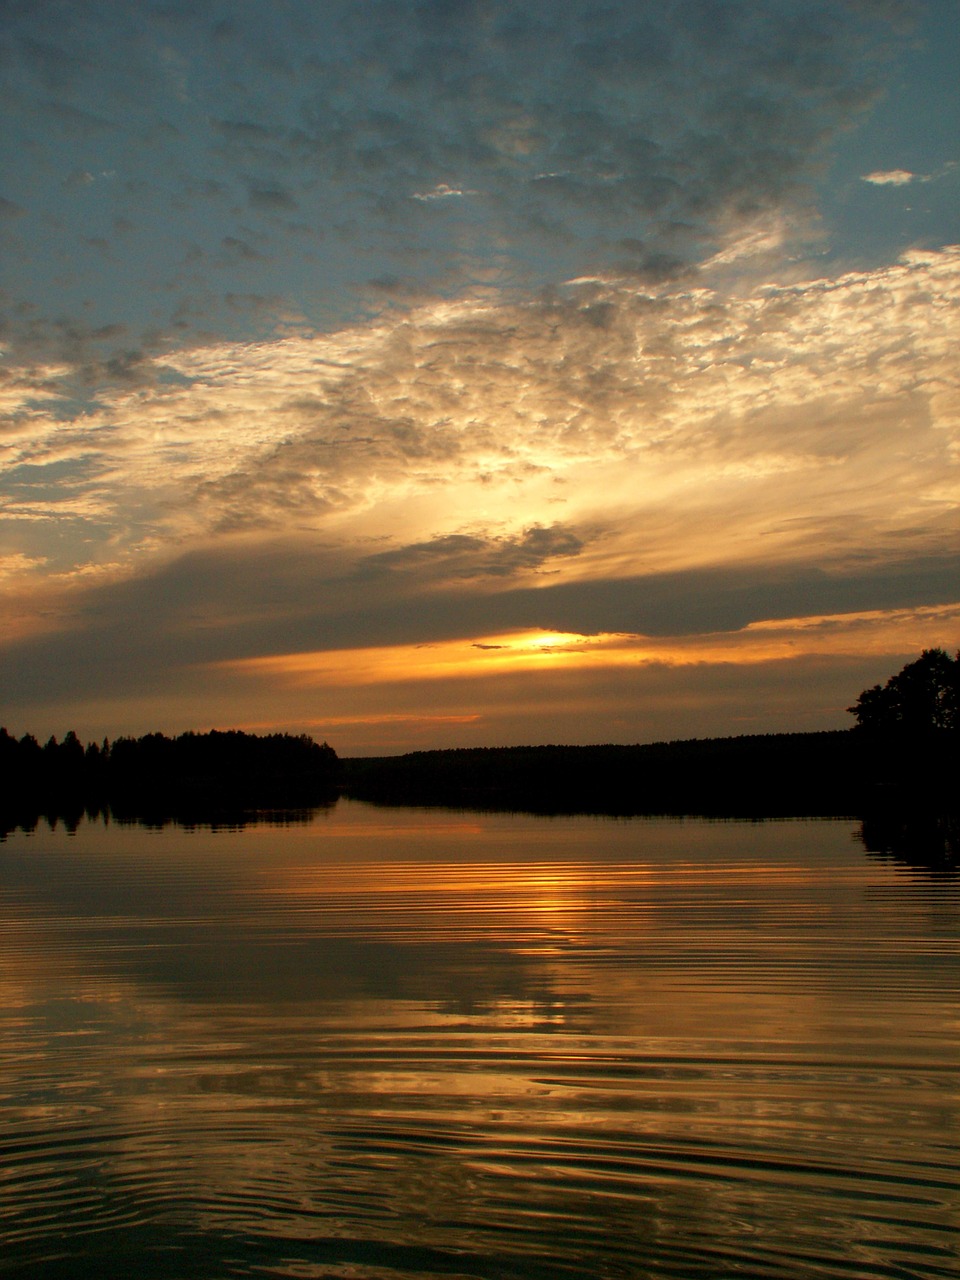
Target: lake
(377, 1043)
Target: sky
(428, 373)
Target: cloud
(273, 198)
(75, 122)
(533, 651)
(460, 556)
(891, 178)
(77, 179)
(573, 129)
(658, 428)
(488, 692)
(477, 320)
(235, 248)
(18, 565)
(903, 177)
(443, 192)
(249, 601)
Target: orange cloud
(873, 632)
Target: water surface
(384, 1043)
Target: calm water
(391, 1042)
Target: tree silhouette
(216, 768)
(923, 696)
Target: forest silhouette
(902, 756)
(195, 776)
(900, 759)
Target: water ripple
(415, 1046)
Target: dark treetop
(922, 698)
(137, 775)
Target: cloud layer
(667, 463)
(348, 365)
(633, 429)
(186, 170)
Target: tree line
(904, 753)
(216, 767)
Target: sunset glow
(855, 634)
(605, 373)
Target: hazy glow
(874, 632)
(687, 414)
(371, 380)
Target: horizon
(476, 376)
(519, 746)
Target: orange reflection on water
(416, 901)
(338, 1040)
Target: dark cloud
(463, 556)
(255, 303)
(234, 247)
(271, 199)
(132, 367)
(75, 122)
(577, 129)
(54, 67)
(150, 634)
(452, 548)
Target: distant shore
(224, 776)
(841, 772)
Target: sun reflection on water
(415, 1043)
